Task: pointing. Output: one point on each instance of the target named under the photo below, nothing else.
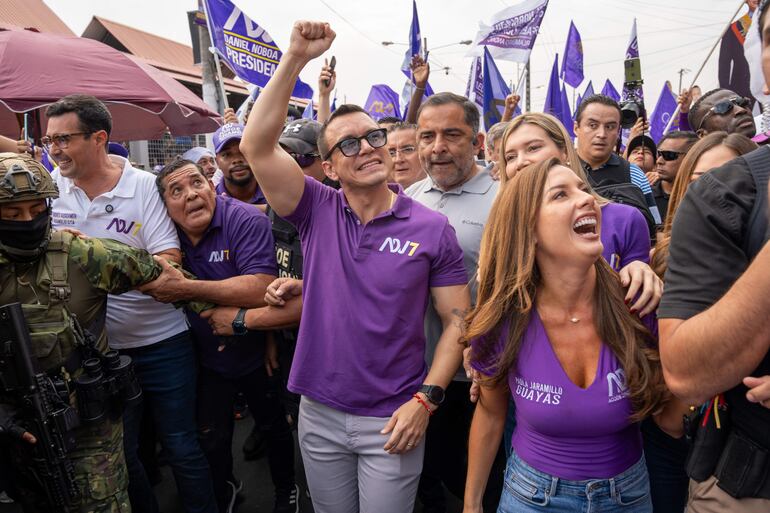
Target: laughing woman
(551, 328)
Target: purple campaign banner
(572, 65)
(660, 117)
(382, 101)
(633, 44)
(512, 31)
(246, 47)
(495, 90)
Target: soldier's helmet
(24, 178)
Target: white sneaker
(4, 499)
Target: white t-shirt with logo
(134, 214)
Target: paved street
(257, 494)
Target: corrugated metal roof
(160, 52)
(146, 45)
(32, 14)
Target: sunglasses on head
(304, 160)
(670, 155)
(724, 107)
(351, 146)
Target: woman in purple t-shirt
(551, 329)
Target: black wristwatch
(239, 326)
(434, 393)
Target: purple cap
(117, 149)
(225, 134)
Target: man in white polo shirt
(103, 196)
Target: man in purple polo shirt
(228, 245)
(237, 179)
(372, 257)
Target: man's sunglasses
(304, 160)
(351, 146)
(669, 155)
(725, 106)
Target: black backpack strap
(756, 235)
(626, 165)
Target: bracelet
(419, 400)
(419, 88)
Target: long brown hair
(508, 282)
(739, 143)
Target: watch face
(435, 393)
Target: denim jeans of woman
(529, 490)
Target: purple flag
(566, 115)
(633, 43)
(495, 91)
(512, 31)
(632, 52)
(609, 90)
(553, 96)
(246, 47)
(415, 42)
(589, 91)
(664, 109)
(572, 64)
(382, 101)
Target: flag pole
(695, 78)
(212, 49)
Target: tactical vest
(45, 289)
(288, 249)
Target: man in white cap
(206, 159)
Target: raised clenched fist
(310, 39)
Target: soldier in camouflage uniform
(51, 288)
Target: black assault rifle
(44, 411)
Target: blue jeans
(529, 490)
(167, 372)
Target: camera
(632, 107)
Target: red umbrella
(39, 69)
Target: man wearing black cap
(299, 140)
(642, 151)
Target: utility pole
(212, 94)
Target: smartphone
(332, 64)
(27, 133)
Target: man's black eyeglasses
(60, 140)
(304, 160)
(670, 155)
(351, 146)
(725, 106)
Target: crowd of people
(522, 321)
